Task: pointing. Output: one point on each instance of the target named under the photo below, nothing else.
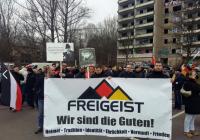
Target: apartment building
(145, 29)
(181, 29)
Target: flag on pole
(11, 94)
(87, 73)
(153, 60)
(191, 61)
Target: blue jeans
(40, 113)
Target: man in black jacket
(157, 71)
(39, 89)
(98, 73)
(128, 73)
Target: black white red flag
(11, 94)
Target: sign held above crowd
(60, 51)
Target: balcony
(125, 29)
(124, 56)
(122, 1)
(144, 25)
(196, 43)
(192, 55)
(125, 38)
(197, 31)
(147, 45)
(126, 19)
(144, 14)
(144, 4)
(192, 20)
(126, 9)
(125, 47)
(143, 55)
(144, 35)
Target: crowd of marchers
(184, 80)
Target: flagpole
(196, 55)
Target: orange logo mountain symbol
(105, 90)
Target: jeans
(189, 122)
(40, 113)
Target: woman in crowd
(192, 104)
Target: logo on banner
(105, 91)
(105, 98)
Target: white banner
(111, 107)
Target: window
(124, 25)
(198, 37)
(166, 41)
(125, 16)
(189, 15)
(149, 30)
(190, 4)
(198, 14)
(150, 9)
(177, 8)
(146, 51)
(151, 40)
(190, 27)
(141, 21)
(141, 11)
(166, 10)
(132, 14)
(174, 40)
(132, 33)
(132, 23)
(198, 26)
(124, 34)
(166, 31)
(149, 20)
(173, 51)
(141, 1)
(125, 6)
(166, 20)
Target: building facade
(146, 28)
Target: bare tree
(104, 37)
(70, 14)
(8, 29)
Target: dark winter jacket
(80, 75)
(126, 74)
(192, 103)
(30, 83)
(156, 74)
(139, 74)
(102, 75)
(39, 86)
(179, 81)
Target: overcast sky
(102, 9)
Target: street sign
(87, 57)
